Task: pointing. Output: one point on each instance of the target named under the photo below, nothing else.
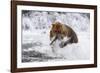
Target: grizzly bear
(64, 33)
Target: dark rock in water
(31, 56)
(26, 60)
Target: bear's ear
(53, 25)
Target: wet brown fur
(63, 31)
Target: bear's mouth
(57, 31)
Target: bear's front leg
(53, 40)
